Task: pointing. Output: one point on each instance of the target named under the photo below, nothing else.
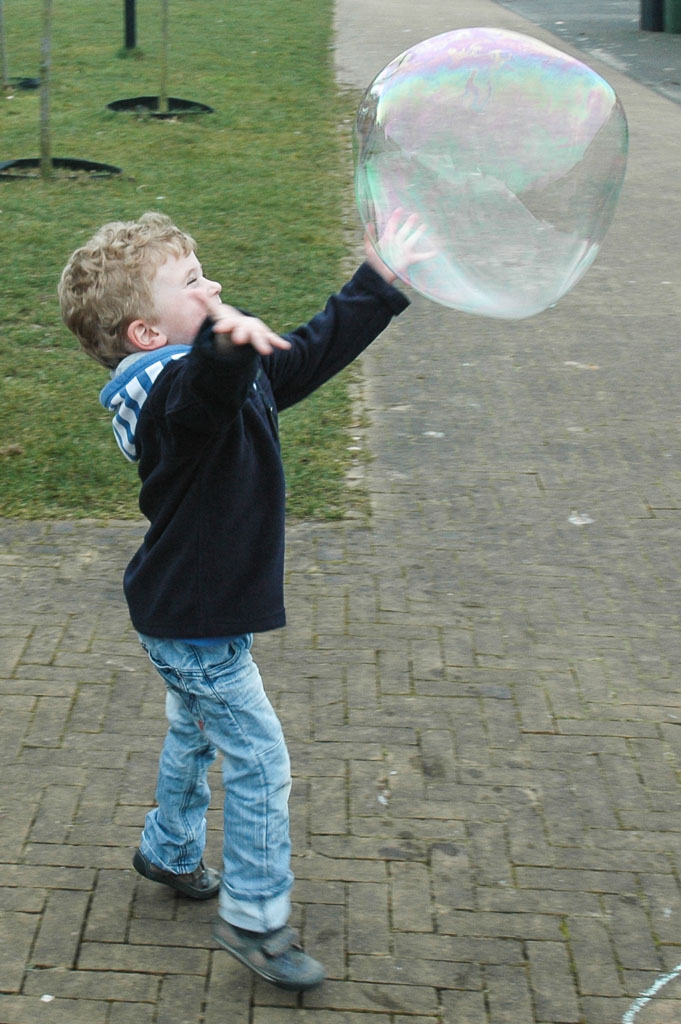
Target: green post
(672, 15)
(130, 23)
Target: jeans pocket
(220, 657)
(170, 674)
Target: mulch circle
(62, 167)
(148, 106)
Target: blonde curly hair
(106, 283)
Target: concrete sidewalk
(610, 31)
(479, 688)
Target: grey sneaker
(200, 884)
(275, 956)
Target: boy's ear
(145, 337)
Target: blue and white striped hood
(127, 391)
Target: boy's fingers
(394, 220)
(256, 333)
(242, 329)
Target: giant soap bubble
(512, 155)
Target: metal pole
(130, 32)
(163, 90)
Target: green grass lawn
(262, 184)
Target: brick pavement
(480, 695)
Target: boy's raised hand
(240, 329)
(400, 243)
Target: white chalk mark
(579, 518)
(646, 996)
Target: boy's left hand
(399, 243)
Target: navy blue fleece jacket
(204, 429)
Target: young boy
(195, 391)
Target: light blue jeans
(216, 702)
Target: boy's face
(179, 288)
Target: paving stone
(452, 879)
(289, 1015)
(107, 985)
(603, 1011)
(508, 994)
(42, 877)
(89, 708)
(231, 986)
(368, 920)
(568, 903)
(97, 956)
(58, 938)
(635, 946)
(581, 881)
(594, 958)
(513, 926)
(131, 1013)
(29, 901)
(440, 974)
(76, 855)
(411, 905)
(325, 937)
(181, 1000)
(551, 981)
(469, 949)
(319, 892)
(53, 821)
(339, 995)
(399, 1019)
(374, 848)
(189, 933)
(30, 1009)
(327, 806)
(464, 1008)
(17, 931)
(314, 867)
(663, 905)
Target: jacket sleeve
(350, 321)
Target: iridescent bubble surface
(511, 153)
